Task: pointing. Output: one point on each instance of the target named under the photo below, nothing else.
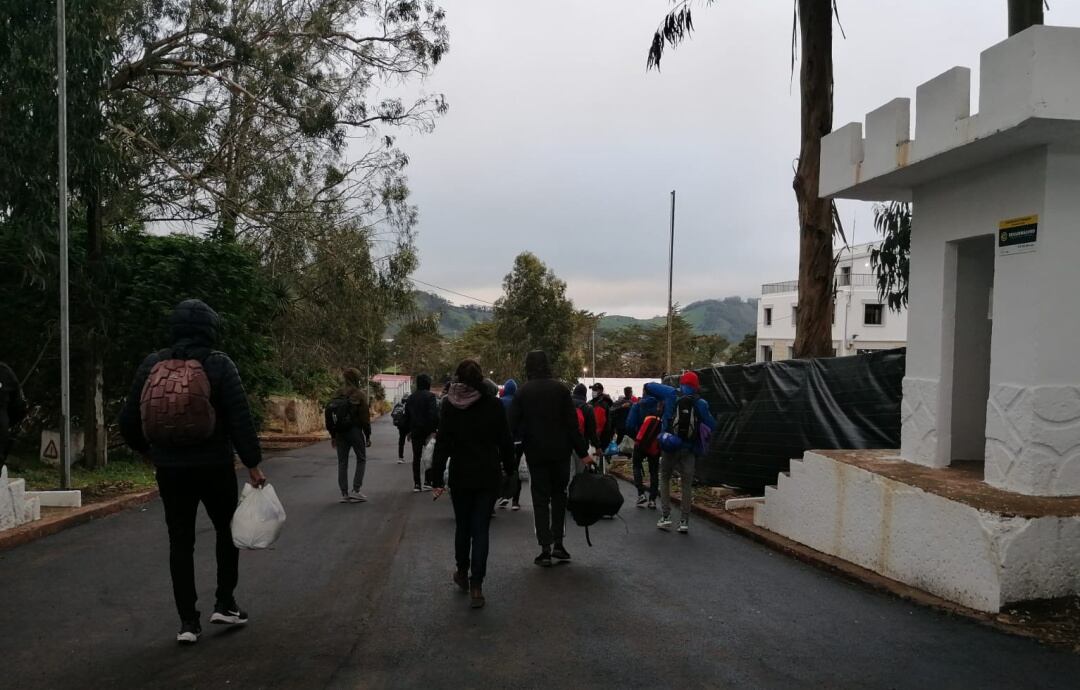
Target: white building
(861, 321)
(981, 503)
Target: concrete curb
(744, 526)
(52, 524)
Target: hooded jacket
(193, 328)
(543, 416)
(670, 396)
(474, 432)
(421, 416)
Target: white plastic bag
(426, 458)
(626, 447)
(258, 519)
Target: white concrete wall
(957, 552)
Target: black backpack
(339, 414)
(398, 413)
(685, 422)
(592, 496)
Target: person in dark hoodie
(195, 466)
(12, 408)
(586, 420)
(542, 415)
(351, 431)
(511, 492)
(474, 432)
(422, 420)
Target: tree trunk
(813, 328)
(94, 432)
(1024, 13)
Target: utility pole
(594, 354)
(65, 318)
(670, 280)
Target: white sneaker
(344, 498)
(357, 496)
(502, 503)
(189, 633)
(664, 523)
(427, 487)
(400, 461)
(684, 526)
(416, 489)
(228, 616)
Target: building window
(873, 314)
(768, 316)
(845, 276)
(794, 314)
(766, 353)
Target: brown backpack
(175, 404)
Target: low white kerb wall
(972, 557)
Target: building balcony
(858, 280)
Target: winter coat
(543, 416)
(474, 433)
(421, 410)
(361, 411)
(194, 331)
(12, 406)
(670, 397)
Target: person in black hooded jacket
(421, 418)
(544, 418)
(473, 430)
(203, 472)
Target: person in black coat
(473, 430)
(12, 408)
(200, 472)
(421, 419)
(544, 417)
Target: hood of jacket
(509, 389)
(194, 323)
(537, 365)
(580, 394)
(462, 396)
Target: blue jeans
(472, 514)
(350, 439)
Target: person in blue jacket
(648, 406)
(681, 457)
(511, 488)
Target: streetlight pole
(670, 280)
(65, 319)
(594, 355)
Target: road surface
(359, 596)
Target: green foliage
(419, 347)
(745, 352)
(640, 351)
(731, 317)
(891, 260)
(535, 314)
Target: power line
(452, 292)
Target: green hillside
(453, 320)
(731, 317)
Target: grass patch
(124, 474)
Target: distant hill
(453, 320)
(731, 317)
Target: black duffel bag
(592, 496)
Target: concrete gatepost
(992, 388)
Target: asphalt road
(359, 596)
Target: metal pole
(65, 320)
(670, 280)
(594, 355)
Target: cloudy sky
(560, 143)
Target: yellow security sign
(1018, 235)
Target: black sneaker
(189, 632)
(641, 500)
(544, 559)
(560, 553)
(228, 615)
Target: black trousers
(182, 489)
(351, 439)
(548, 479)
(402, 433)
(472, 516)
(511, 486)
(419, 439)
(639, 472)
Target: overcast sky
(559, 142)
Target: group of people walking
(187, 412)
